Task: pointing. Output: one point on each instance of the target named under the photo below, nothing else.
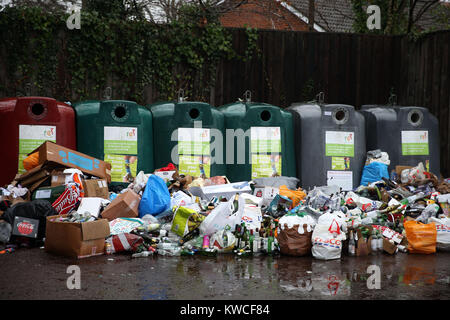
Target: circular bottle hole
(120, 112)
(340, 115)
(265, 115)
(194, 113)
(415, 117)
(37, 109)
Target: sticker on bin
(43, 194)
(342, 179)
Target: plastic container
(119, 132)
(330, 145)
(27, 122)
(408, 134)
(259, 141)
(189, 135)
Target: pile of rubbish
(170, 214)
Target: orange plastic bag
(421, 237)
(295, 195)
(31, 161)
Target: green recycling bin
(189, 135)
(259, 141)
(119, 132)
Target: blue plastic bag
(156, 197)
(374, 172)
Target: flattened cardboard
(96, 188)
(52, 153)
(126, 205)
(76, 240)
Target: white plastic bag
(223, 241)
(222, 216)
(328, 235)
(443, 233)
(252, 217)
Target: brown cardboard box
(126, 205)
(77, 240)
(96, 188)
(388, 247)
(59, 177)
(52, 154)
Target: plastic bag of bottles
(223, 240)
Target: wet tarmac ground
(35, 274)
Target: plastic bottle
(142, 254)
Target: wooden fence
(349, 68)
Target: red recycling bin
(27, 122)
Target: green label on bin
(20, 166)
(120, 140)
(194, 151)
(340, 163)
(265, 165)
(265, 146)
(339, 144)
(195, 165)
(415, 143)
(123, 167)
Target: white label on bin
(415, 143)
(342, 179)
(43, 194)
(265, 146)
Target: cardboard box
(51, 153)
(76, 240)
(96, 188)
(126, 205)
(59, 178)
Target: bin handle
(107, 94)
(320, 97)
(248, 96)
(181, 96)
(392, 99)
